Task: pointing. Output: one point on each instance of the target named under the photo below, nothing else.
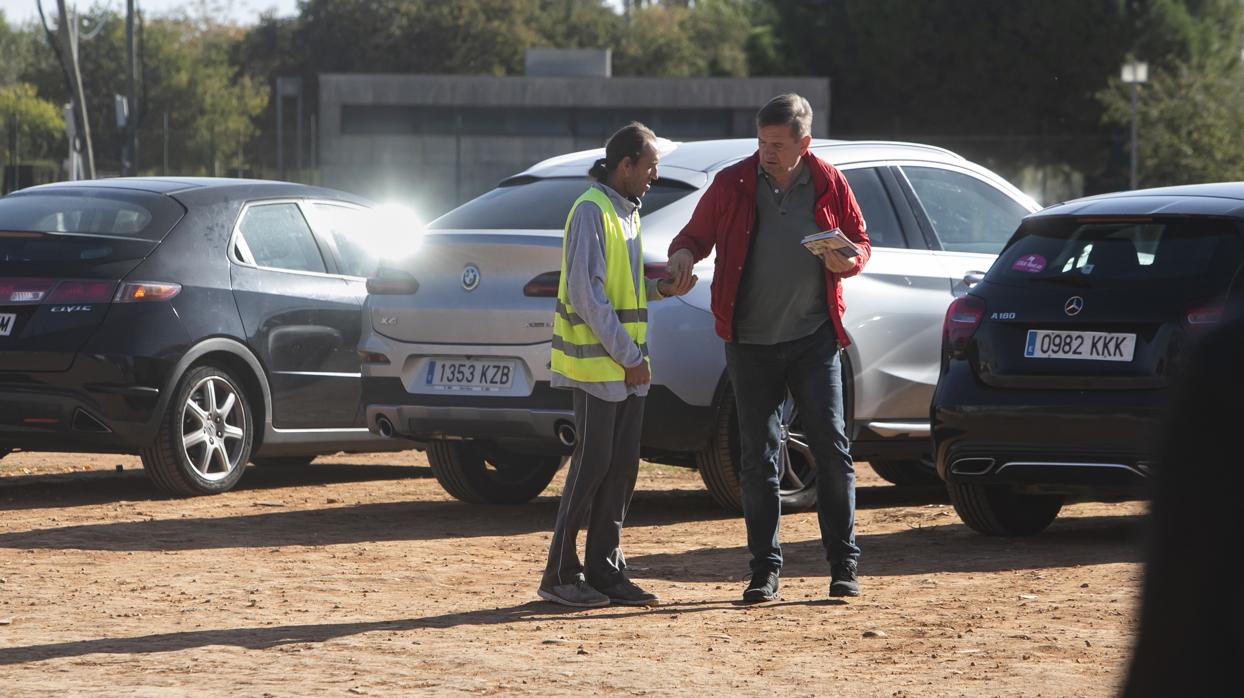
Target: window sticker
(1029, 264)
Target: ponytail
(627, 142)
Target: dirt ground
(359, 576)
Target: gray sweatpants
(598, 491)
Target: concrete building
(434, 141)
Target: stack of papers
(830, 241)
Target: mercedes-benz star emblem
(1073, 306)
(470, 277)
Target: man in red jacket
(779, 309)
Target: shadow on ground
(951, 547)
(263, 638)
(354, 523)
(101, 486)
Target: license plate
(470, 374)
(1092, 346)
(7, 321)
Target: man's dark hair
(787, 109)
(627, 142)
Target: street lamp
(1134, 73)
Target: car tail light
(392, 285)
(962, 319)
(137, 291)
(1204, 314)
(373, 357)
(655, 270)
(24, 291)
(82, 292)
(544, 285)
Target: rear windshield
(87, 211)
(541, 204)
(1085, 252)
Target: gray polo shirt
(782, 294)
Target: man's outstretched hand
(679, 278)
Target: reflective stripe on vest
(577, 352)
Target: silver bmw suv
(455, 342)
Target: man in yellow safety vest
(600, 352)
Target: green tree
(222, 117)
(1189, 121)
(15, 51)
(675, 40)
(184, 71)
(1008, 83)
(40, 126)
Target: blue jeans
(810, 368)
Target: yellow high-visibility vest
(577, 352)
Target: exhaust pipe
(566, 433)
(971, 466)
(384, 426)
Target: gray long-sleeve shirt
(585, 286)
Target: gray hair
(787, 109)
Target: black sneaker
(627, 593)
(763, 587)
(844, 579)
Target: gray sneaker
(628, 593)
(579, 594)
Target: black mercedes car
(1057, 367)
(200, 323)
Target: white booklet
(830, 240)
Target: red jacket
(726, 216)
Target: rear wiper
(1071, 278)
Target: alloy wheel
(797, 467)
(213, 428)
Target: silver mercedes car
(455, 341)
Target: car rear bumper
(673, 430)
(1068, 440)
(77, 411)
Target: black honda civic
(1057, 367)
(201, 323)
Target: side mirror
(391, 282)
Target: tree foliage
(1189, 120)
(1014, 84)
(39, 123)
(184, 71)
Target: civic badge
(1073, 306)
(470, 277)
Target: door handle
(972, 278)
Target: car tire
(719, 464)
(906, 473)
(999, 511)
(283, 461)
(479, 475)
(205, 436)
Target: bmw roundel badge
(470, 277)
